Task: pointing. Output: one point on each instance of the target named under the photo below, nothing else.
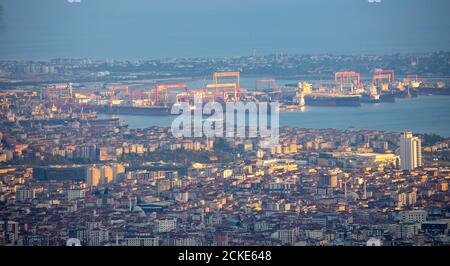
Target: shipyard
(156, 98)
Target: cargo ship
(370, 98)
(434, 91)
(132, 110)
(406, 93)
(329, 99)
(387, 98)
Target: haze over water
(145, 29)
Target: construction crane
(342, 79)
(381, 75)
(219, 75)
(384, 77)
(113, 90)
(203, 93)
(165, 88)
(225, 88)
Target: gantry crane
(219, 75)
(347, 79)
(225, 87)
(165, 87)
(236, 86)
(113, 90)
(383, 77)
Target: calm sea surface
(146, 29)
(424, 114)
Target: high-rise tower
(410, 151)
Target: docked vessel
(132, 110)
(370, 98)
(434, 91)
(329, 99)
(387, 98)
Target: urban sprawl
(68, 177)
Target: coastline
(395, 117)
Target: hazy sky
(135, 29)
